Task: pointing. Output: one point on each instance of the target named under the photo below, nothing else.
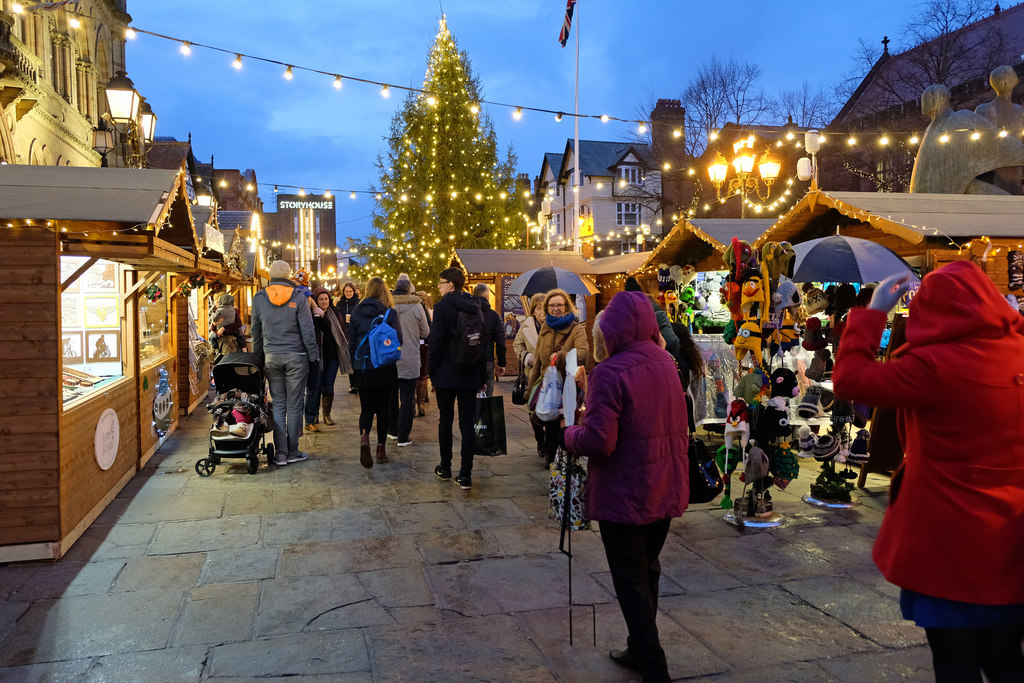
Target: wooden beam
(78, 273)
(149, 279)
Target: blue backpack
(382, 339)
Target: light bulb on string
(914, 140)
(186, 48)
(641, 128)
(337, 82)
(384, 90)
(288, 73)
(518, 113)
(604, 118)
(238, 62)
(558, 117)
(352, 196)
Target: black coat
(358, 328)
(495, 332)
(443, 372)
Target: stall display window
(92, 351)
(154, 322)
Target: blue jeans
(286, 374)
(328, 375)
(312, 404)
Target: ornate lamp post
(744, 182)
(133, 119)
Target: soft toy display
(737, 423)
(664, 280)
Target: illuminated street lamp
(745, 181)
(122, 99)
(147, 122)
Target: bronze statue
(1001, 111)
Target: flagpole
(578, 194)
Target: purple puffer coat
(634, 429)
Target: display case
(91, 323)
(155, 341)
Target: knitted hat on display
(814, 338)
(859, 449)
(806, 442)
(737, 422)
(783, 383)
(808, 407)
(826, 448)
(755, 464)
(819, 364)
(815, 301)
(828, 399)
(786, 296)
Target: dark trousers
(632, 553)
(960, 655)
(375, 401)
(405, 409)
(552, 434)
(446, 415)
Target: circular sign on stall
(108, 434)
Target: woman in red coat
(953, 534)
(635, 434)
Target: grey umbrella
(838, 258)
(540, 280)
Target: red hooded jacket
(634, 429)
(954, 528)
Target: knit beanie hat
(783, 383)
(755, 465)
(819, 364)
(280, 270)
(806, 442)
(814, 338)
(826, 448)
(815, 301)
(808, 407)
(859, 450)
(632, 285)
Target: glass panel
(92, 349)
(154, 323)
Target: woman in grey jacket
(412, 318)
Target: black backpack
(467, 345)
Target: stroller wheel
(269, 450)
(205, 467)
(254, 464)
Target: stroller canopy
(239, 371)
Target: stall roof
(121, 195)
(623, 263)
(909, 217)
(517, 261)
(700, 242)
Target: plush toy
(664, 281)
(687, 305)
(682, 276)
(806, 442)
(671, 305)
(748, 340)
(737, 423)
(750, 385)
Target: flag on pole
(563, 35)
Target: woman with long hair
(346, 304)
(375, 384)
(525, 348)
(334, 356)
(559, 333)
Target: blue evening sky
(305, 132)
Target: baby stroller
(240, 419)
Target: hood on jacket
(485, 305)
(322, 290)
(628, 319)
(401, 299)
(466, 302)
(959, 300)
(280, 291)
(373, 307)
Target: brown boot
(328, 402)
(382, 454)
(365, 459)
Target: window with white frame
(627, 213)
(556, 220)
(630, 174)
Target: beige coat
(548, 339)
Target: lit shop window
(91, 338)
(154, 322)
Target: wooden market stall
(611, 273)
(89, 361)
(499, 267)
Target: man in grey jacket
(283, 335)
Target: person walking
(333, 350)
(559, 334)
(952, 537)
(284, 338)
(375, 384)
(346, 304)
(423, 383)
(495, 336)
(525, 348)
(638, 466)
(413, 319)
(664, 324)
(311, 406)
(456, 376)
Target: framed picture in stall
(101, 311)
(103, 346)
(68, 266)
(102, 277)
(71, 312)
(73, 352)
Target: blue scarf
(560, 323)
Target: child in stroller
(240, 416)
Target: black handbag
(705, 479)
(520, 390)
(489, 426)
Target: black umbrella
(541, 280)
(845, 259)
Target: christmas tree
(442, 185)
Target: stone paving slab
(324, 571)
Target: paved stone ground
(323, 571)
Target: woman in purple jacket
(635, 434)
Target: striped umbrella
(845, 259)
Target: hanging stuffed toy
(664, 281)
(737, 423)
(687, 306)
(672, 306)
(750, 385)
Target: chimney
(668, 130)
